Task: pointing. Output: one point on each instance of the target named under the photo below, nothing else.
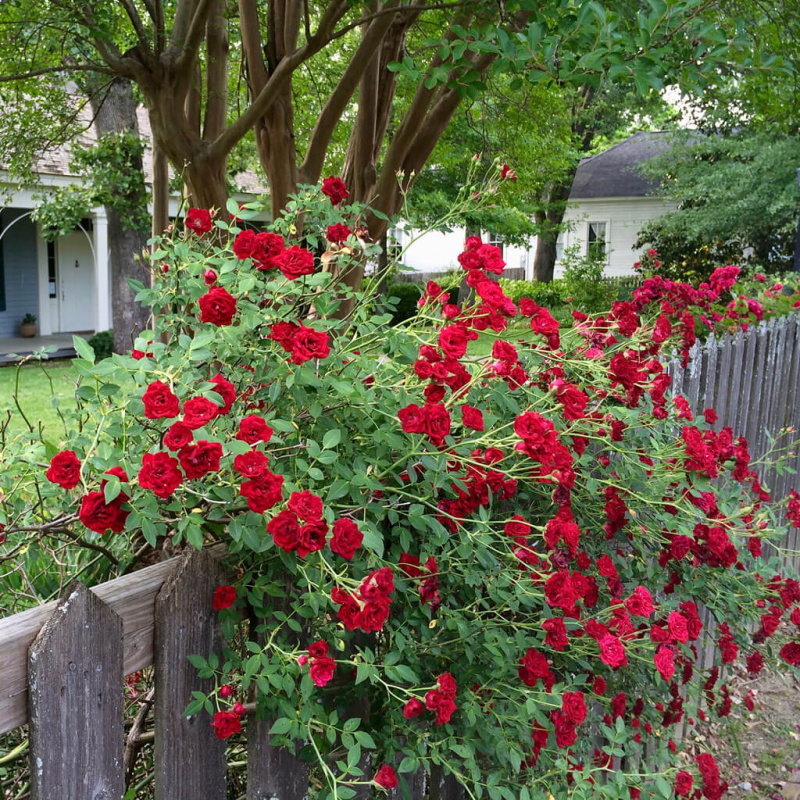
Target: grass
(35, 393)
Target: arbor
(178, 53)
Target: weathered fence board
(273, 773)
(189, 758)
(76, 716)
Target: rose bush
(488, 564)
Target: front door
(76, 283)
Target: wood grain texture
(273, 773)
(132, 597)
(76, 714)
(189, 758)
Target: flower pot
(28, 329)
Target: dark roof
(614, 173)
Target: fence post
(189, 759)
(273, 773)
(75, 696)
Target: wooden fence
(62, 664)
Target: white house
(64, 283)
(609, 203)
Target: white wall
(624, 218)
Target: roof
(614, 172)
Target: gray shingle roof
(613, 173)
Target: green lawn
(35, 393)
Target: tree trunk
(206, 184)
(549, 222)
(277, 152)
(117, 114)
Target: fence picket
(273, 773)
(190, 761)
(75, 695)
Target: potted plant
(28, 327)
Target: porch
(15, 348)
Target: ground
(758, 751)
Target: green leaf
(331, 439)
(281, 726)
(83, 348)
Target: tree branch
(136, 21)
(216, 73)
(34, 73)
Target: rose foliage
(490, 564)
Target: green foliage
(406, 296)
(103, 344)
(29, 319)
(550, 295)
(583, 281)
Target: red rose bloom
(217, 306)
(243, 244)
(160, 402)
(385, 777)
(224, 597)
(640, 603)
(225, 389)
(199, 220)
(472, 418)
(790, 653)
(612, 652)
(683, 783)
(200, 459)
(263, 493)
(306, 505)
(309, 344)
(665, 662)
(99, 516)
(251, 465)
(312, 537)
(160, 473)
(574, 707)
(198, 412)
(178, 436)
(335, 189)
(347, 538)
(338, 233)
(295, 262)
(65, 470)
(321, 670)
(285, 530)
(267, 250)
(254, 429)
(226, 723)
(413, 708)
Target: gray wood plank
(189, 759)
(273, 773)
(721, 381)
(76, 714)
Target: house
(64, 283)
(609, 204)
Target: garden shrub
(550, 295)
(103, 344)
(497, 560)
(407, 296)
(584, 282)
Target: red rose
(226, 690)
(665, 662)
(437, 421)
(209, 277)
(312, 537)
(574, 706)
(178, 436)
(199, 220)
(200, 459)
(251, 465)
(385, 777)
(225, 389)
(335, 189)
(99, 516)
(226, 723)
(243, 244)
(321, 670)
(295, 262)
(267, 250)
(338, 233)
(453, 340)
(612, 652)
(306, 505)
(790, 653)
(683, 783)
(566, 735)
(309, 344)
(413, 708)
(347, 538)
(217, 306)
(678, 628)
(198, 412)
(160, 473)
(254, 429)
(443, 706)
(263, 493)
(65, 470)
(285, 530)
(374, 614)
(318, 649)
(472, 418)
(117, 472)
(640, 603)
(224, 597)
(556, 633)
(160, 402)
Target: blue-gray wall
(20, 271)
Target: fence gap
(190, 761)
(75, 700)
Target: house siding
(20, 271)
(624, 217)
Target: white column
(45, 322)
(101, 273)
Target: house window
(394, 245)
(560, 247)
(51, 268)
(495, 242)
(597, 240)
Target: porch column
(101, 277)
